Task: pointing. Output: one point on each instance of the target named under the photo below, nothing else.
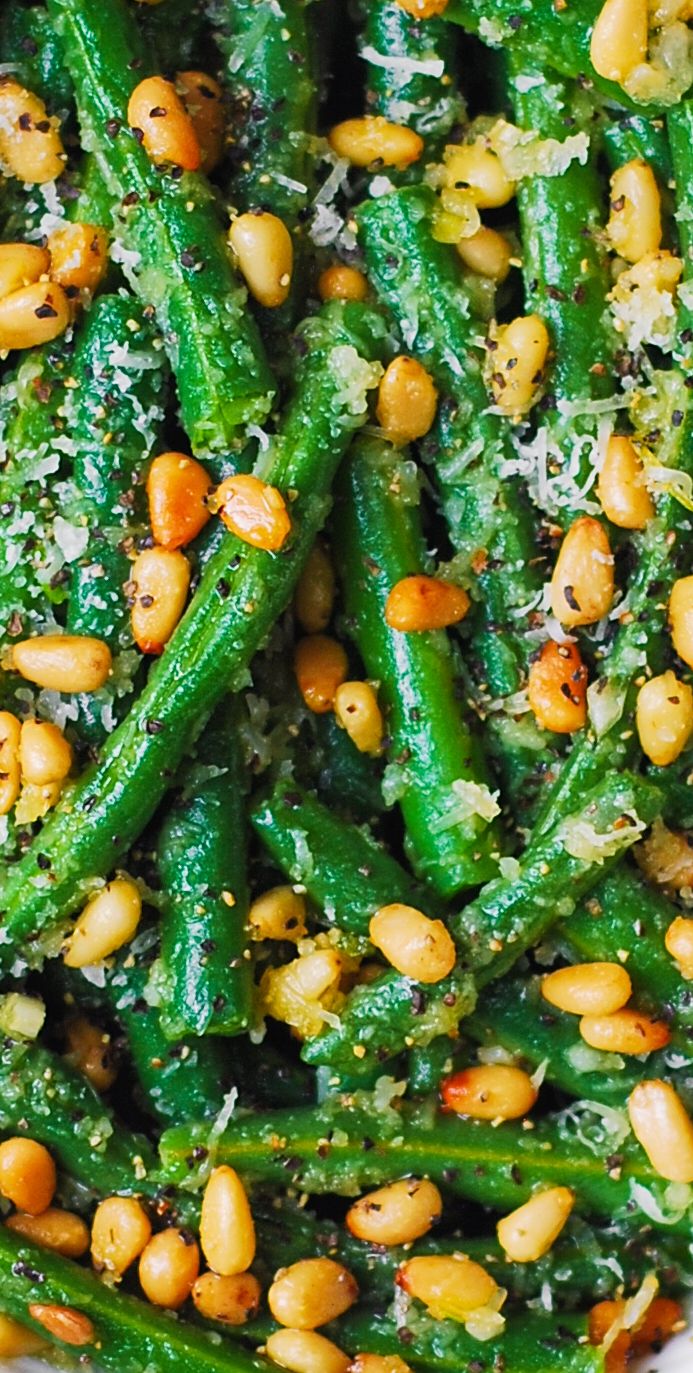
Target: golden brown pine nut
(423, 9)
(45, 754)
(278, 914)
(419, 603)
(529, 1232)
(340, 282)
(298, 992)
(177, 490)
(64, 1323)
(451, 1287)
(516, 360)
(89, 1050)
(357, 710)
(662, 1318)
(487, 252)
(63, 662)
(78, 255)
(311, 1293)
(265, 252)
(203, 97)
(635, 224)
(304, 1351)
(478, 170)
(557, 688)
(601, 1319)
(315, 591)
(681, 618)
(415, 945)
(61, 1231)
(231, 1300)
(20, 265)
(120, 1232)
(18, 1340)
(321, 666)
(227, 1229)
(35, 802)
(159, 582)
(30, 142)
(664, 717)
(679, 943)
(588, 988)
(619, 38)
(625, 1032)
(108, 921)
(165, 127)
(253, 511)
(168, 1268)
(494, 1091)
(378, 1363)
(10, 772)
(374, 139)
(622, 492)
(582, 586)
(407, 401)
(32, 315)
(663, 1127)
(396, 1214)
(27, 1175)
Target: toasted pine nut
(635, 223)
(45, 754)
(340, 282)
(278, 914)
(415, 945)
(423, 9)
(451, 1287)
(619, 38)
(487, 252)
(161, 123)
(357, 710)
(679, 943)
(314, 597)
(621, 488)
(177, 490)
(64, 1323)
(662, 1318)
(311, 1293)
(68, 663)
(298, 992)
(304, 1351)
(30, 142)
(203, 97)
(494, 1091)
(168, 1268)
(681, 618)
(664, 717)
(582, 586)
(396, 1214)
(27, 1175)
(20, 265)
(516, 359)
(321, 666)
(374, 139)
(476, 168)
(32, 315)
(18, 1340)
(232, 1300)
(61, 1231)
(407, 400)
(529, 1232)
(253, 511)
(35, 802)
(10, 772)
(265, 252)
(78, 255)
(160, 579)
(108, 921)
(601, 1319)
(418, 603)
(227, 1229)
(625, 1032)
(557, 688)
(663, 1127)
(378, 1363)
(89, 1050)
(659, 271)
(120, 1232)
(588, 988)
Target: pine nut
(451, 1287)
(495, 1091)
(232, 1301)
(89, 1050)
(375, 139)
(378, 1363)
(78, 255)
(33, 315)
(679, 943)
(423, 9)
(265, 252)
(588, 988)
(21, 264)
(63, 1323)
(619, 39)
(396, 1214)
(515, 361)
(487, 252)
(30, 142)
(420, 603)
(177, 490)
(529, 1232)
(407, 401)
(227, 1230)
(476, 168)
(681, 618)
(300, 991)
(582, 586)
(621, 488)
(278, 914)
(27, 1175)
(311, 1293)
(315, 591)
(120, 1232)
(625, 1032)
(635, 223)
(160, 579)
(321, 666)
(357, 711)
(663, 1127)
(557, 688)
(158, 115)
(416, 946)
(61, 1231)
(340, 282)
(44, 753)
(253, 511)
(664, 718)
(10, 772)
(68, 663)
(304, 1351)
(203, 98)
(169, 1267)
(108, 921)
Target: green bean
(411, 71)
